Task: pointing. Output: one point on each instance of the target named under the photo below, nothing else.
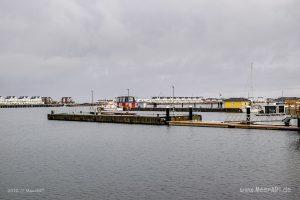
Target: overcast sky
(203, 47)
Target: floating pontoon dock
(233, 125)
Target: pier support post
(248, 115)
(190, 113)
(298, 121)
(168, 118)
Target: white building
(36, 100)
(258, 99)
(2, 100)
(24, 100)
(170, 100)
(11, 100)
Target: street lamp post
(92, 106)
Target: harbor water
(41, 159)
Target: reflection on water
(82, 160)
(298, 144)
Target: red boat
(127, 102)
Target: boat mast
(173, 88)
(251, 81)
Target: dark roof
(177, 97)
(35, 97)
(282, 99)
(237, 99)
(23, 97)
(124, 96)
(10, 97)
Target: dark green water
(41, 159)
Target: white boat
(110, 106)
(254, 109)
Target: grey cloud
(58, 48)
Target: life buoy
(99, 109)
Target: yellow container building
(236, 103)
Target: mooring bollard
(248, 115)
(168, 118)
(190, 113)
(52, 112)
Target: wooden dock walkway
(233, 125)
(125, 118)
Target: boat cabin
(274, 109)
(127, 102)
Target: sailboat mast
(251, 81)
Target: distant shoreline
(45, 105)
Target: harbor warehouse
(236, 103)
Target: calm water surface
(81, 160)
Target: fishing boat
(127, 102)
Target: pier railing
(256, 117)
